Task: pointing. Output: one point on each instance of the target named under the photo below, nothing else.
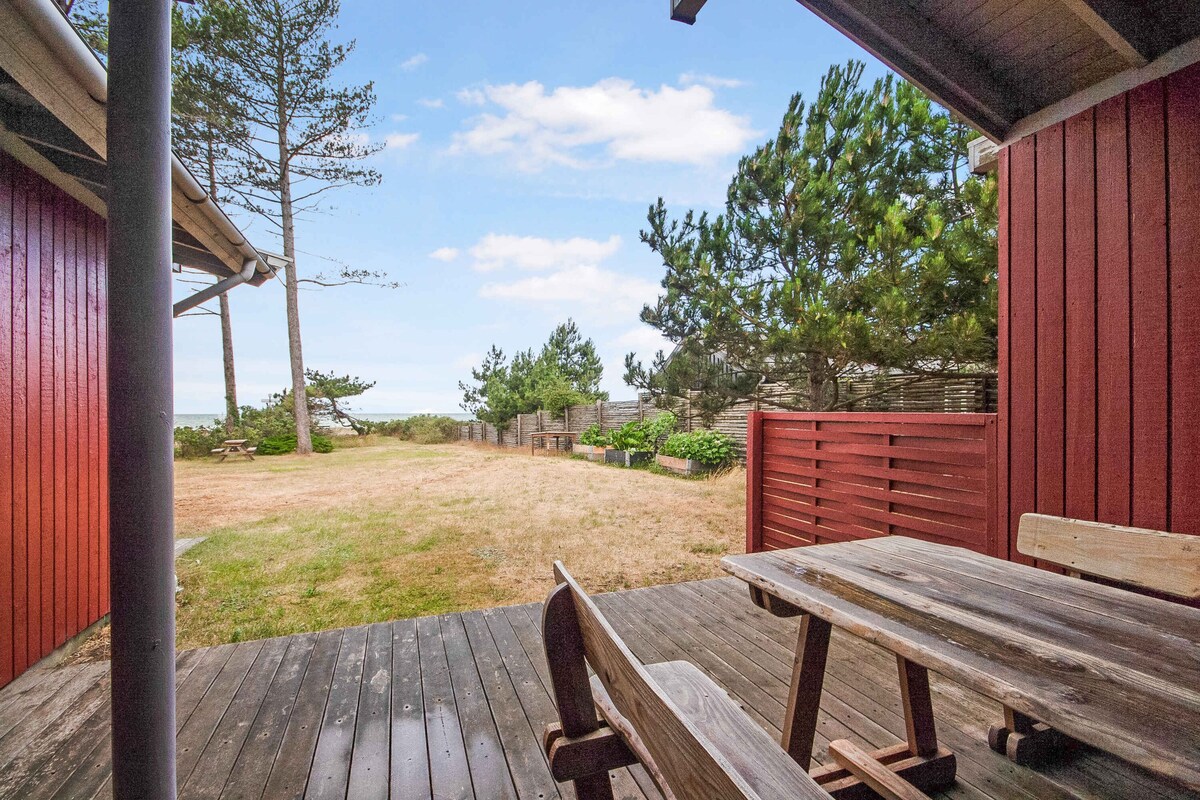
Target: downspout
(85, 68)
(218, 288)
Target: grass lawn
(398, 530)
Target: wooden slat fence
(814, 478)
(957, 394)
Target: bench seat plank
(751, 751)
(1099, 664)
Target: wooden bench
(694, 740)
(1166, 563)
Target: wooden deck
(453, 707)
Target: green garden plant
(593, 436)
(708, 447)
(630, 436)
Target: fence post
(518, 430)
(754, 442)
(600, 414)
(996, 546)
(567, 418)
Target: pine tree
(278, 65)
(853, 239)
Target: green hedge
(422, 429)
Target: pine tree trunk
(295, 351)
(231, 404)
(816, 382)
(291, 290)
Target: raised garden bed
(683, 466)
(593, 452)
(627, 458)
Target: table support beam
(804, 697)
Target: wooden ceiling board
(1067, 33)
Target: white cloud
(643, 340)
(496, 251)
(398, 117)
(435, 102)
(471, 97)
(413, 62)
(446, 254)
(585, 286)
(613, 119)
(716, 82)
(399, 141)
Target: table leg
(1025, 740)
(918, 708)
(919, 761)
(804, 698)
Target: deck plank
(449, 773)
(409, 748)
(215, 762)
(369, 761)
(454, 706)
(485, 753)
(248, 774)
(329, 775)
(194, 736)
(289, 770)
(518, 734)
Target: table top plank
(1094, 693)
(1046, 619)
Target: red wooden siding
(1100, 299)
(830, 477)
(53, 433)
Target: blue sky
(526, 140)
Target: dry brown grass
(396, 529)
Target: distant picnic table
(234, 447)
(570, 436)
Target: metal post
(141, 408)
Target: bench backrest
(687, 761)
(1155, 560)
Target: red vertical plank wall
(1099, 335)
(53, 428)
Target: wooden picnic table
(234, 447)
(1111, 668)
(570, 436)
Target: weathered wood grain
(1081, 685)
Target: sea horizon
(192, 420)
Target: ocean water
(209, 420)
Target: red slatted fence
(53, 423)
(830, 477)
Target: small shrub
(708, 447)
(429, 429)
(393, 427)
(321, 444)
(198, 442)
(593, 436)
(278, 445)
